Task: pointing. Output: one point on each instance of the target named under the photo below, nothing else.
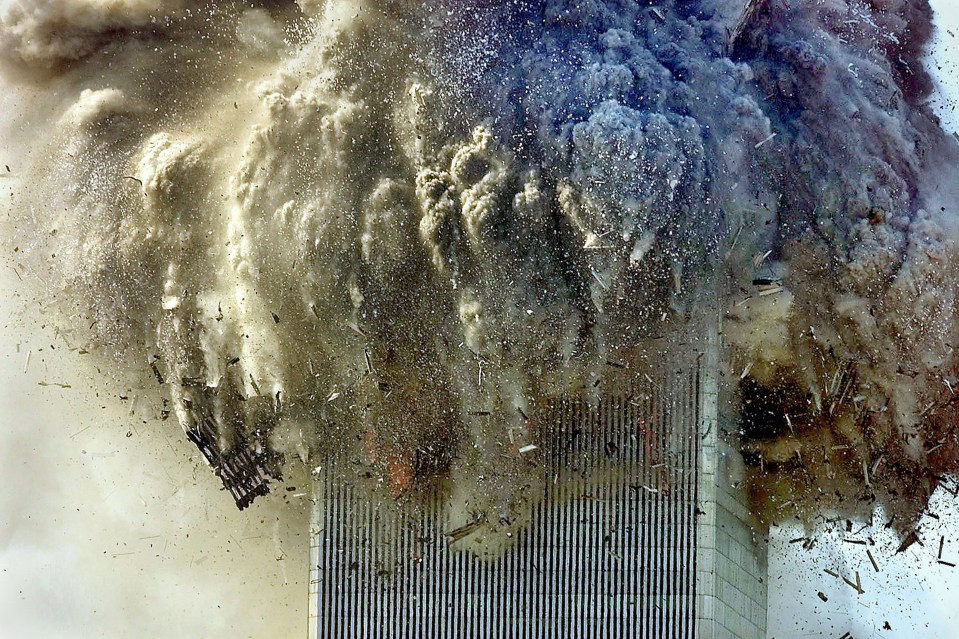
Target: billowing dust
(354, 227)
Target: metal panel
(610, 552)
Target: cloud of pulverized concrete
(357, 226)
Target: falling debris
(156, 371)
(765, 140)
(56, 384)
(857, 585)
(441, 211)
(772, 290)
(464, 531)
(911, 538)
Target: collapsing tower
(642, 532)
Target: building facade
(642, 532)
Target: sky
(100, 536)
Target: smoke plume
(389, 229)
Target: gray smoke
(392, 229)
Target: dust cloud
(388, 230)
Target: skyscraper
(641, 529)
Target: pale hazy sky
(99, 536)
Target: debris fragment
(822, 596)
(857, 586)
(911, 538)
(765, 140)
(57, 384)
(735, 240)
(875, 465)
(872, 560)
(353, 327)
(464, 531)
(772, 290)
(758, 261)
(603, 284)
(156, 371)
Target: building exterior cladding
(731, 567)
(642, 533)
